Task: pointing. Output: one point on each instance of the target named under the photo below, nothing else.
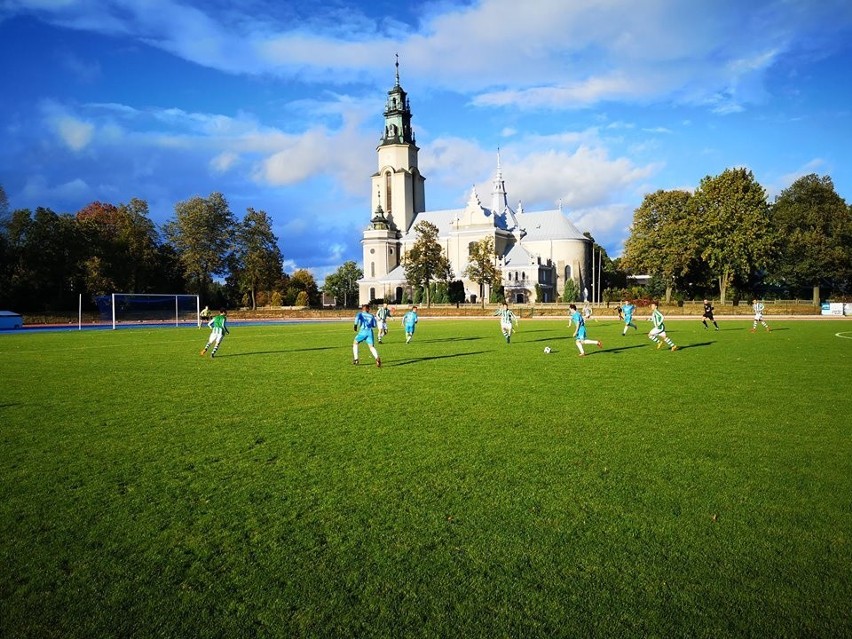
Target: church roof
(548, 225)
(517, 256)
(539, 225)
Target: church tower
(397, 196)
(398, 185)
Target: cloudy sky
(278, 104)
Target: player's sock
(705, 324)
(669, 342)
(580, 348)
(373, 352)
(355, 352)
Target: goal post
(150, 308)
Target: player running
(758, 307)
(219, 328)
(708, 315)
(409, 321)
(659, 329)
(508, 321)
(627, 309)
(580, 331)
(382, 315)
(364, 325)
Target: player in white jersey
(659, 329)
(218, 329)
(757, 307)
(382, 316)
(508, 322)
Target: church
(537, 252)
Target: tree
(302, 281)
(202, 234)
(426, 261)
(45, 252)
(481, 267)
(455, 292)
(258, 260)
(343, 283)
(662, 241)
(814, 230)
(122, 246)
(732, 222)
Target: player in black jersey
(708, 315)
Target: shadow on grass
(449, 339)
(698, 345)
(548, 339)
(618, 349)
(417, 360)
(281, 351)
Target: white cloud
(536, 54)
(224, 161)
(76, 134)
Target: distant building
(541, 247)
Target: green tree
(814, 230)
(425, 262)
(122, 245)
(571, 292)
(455, 292)
(258, 260)
(202, 234)
(662, 241)
(45, 251)
(302, 281)
(343, 283)
(481, 265)
(732, 226)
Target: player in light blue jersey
(627, 310)
(508, 322)
(409, 321)
(363, 326)
(659, 329)
(757, 307)
(580, 331)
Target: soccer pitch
(468, 488)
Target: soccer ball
(547, 349)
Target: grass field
(468, 488)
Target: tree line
(726, 240)
(48, 259)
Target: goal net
(150, 308)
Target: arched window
(372, 294)
(388, 192)
(568, 273)
(372, 269)
(523, 276)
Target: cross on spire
(397, 69)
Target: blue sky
(278, 105)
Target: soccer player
(627, 308)
(587, 311)
(508, 321)
(708, 315)
(219, 328)
(382, 316)
(659, 329)
(409, 321)
(758, 307)
(580, 331)
(364, 324)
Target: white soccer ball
(547, 349)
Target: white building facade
(536, 252)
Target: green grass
(469, 488)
